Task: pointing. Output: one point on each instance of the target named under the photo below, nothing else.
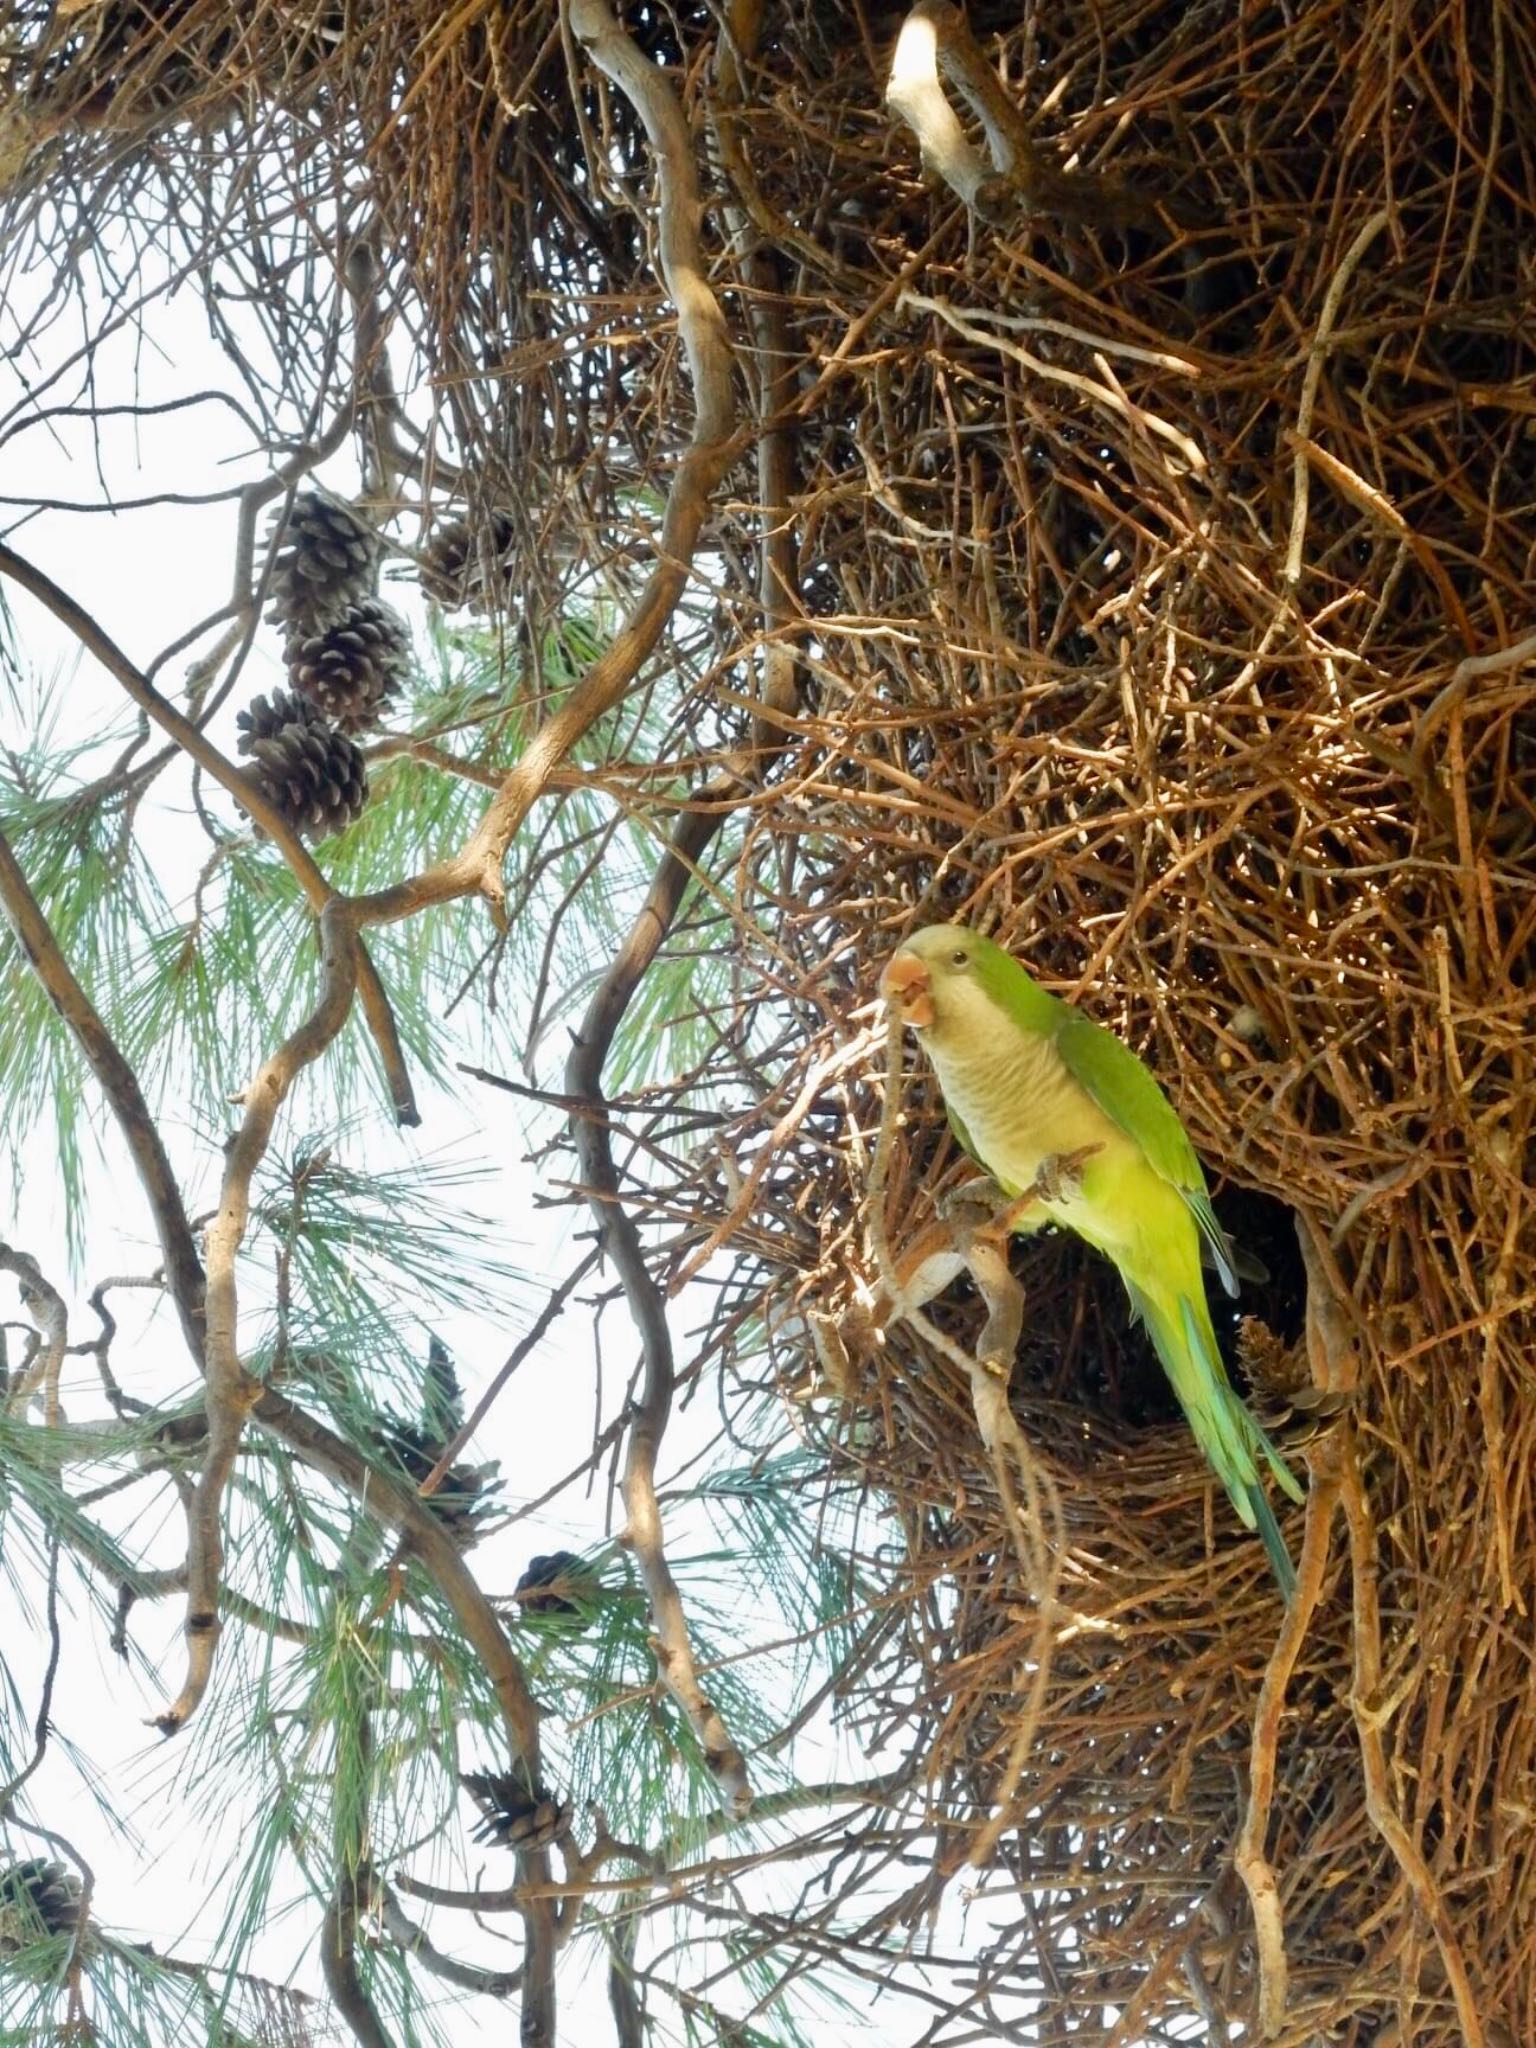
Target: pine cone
(546, 1584)
(37, 1898)
(463, 1497)
(324, 566)
(444, 1396)
(351, 670)
(315, 777)
(516, 1815)
(453, 564)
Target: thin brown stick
(526, 1344)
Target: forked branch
(935, 37)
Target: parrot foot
(1059, 1175)
(1056, 1177)
(980, 1192)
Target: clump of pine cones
(347, 654)
(558, 1588)
(350, 670)
(313, 774)
(325, 562)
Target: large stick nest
(1150, 553)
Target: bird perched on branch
(1073, 1128)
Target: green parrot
(1055, 1107)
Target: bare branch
(936, 35)
(352, 1898)
(619, 1237)
(913, 89)
(120, 1085)
(45, 1305)
(231, 1392)
(403, 1930)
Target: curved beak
(905, 985)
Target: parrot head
(936, 980)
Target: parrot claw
(980, 1192)
(1056, 1177)
(1060, 1175)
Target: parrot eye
(960, 957)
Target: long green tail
(1232, 1441)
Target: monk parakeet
(1029, 1083)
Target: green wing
(1126, 1092)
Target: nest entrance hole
(1081, 1347)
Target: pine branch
(120, 1085)
(399, 1505)
(231, 1392)
(190, 738)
